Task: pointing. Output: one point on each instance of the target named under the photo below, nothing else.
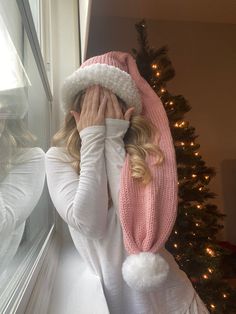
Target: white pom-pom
(145, 271)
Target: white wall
(65, 49)
(65, 59)
(204, 57)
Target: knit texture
(147, 213)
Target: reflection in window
(24, 135)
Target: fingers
(75, 114)
(102, 107)
(129, 113)
(85, 101)
(109, 107)
(116, 106)
(95, 98)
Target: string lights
(184, 124)
(210, 252)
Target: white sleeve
(115, 154)
(81, 200)
(21, 189)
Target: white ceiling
(210, 11)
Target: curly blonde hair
(138, 142)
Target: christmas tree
(193, 241)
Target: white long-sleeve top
(20, 191)
(82, 202)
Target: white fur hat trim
(111, 77)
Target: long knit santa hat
(147, 213)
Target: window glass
(26, 214)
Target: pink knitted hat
(147, 213)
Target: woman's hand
(113, 108)
(93, 109)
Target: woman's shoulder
(29, 154)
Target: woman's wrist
(92, 129)
(116, 127)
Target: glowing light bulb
(206, 177)
(210, 251)
(182, 143)
(176, 124)
(197, 224)
(213, 306)
(200, 188)
(171, 103)
(205, 276)
(154, 66)
(199, 206)
(162, 90)
(194, 175)
(158, 74)
(192, 143)
(224, 295)
(175, 245)
(196, 153)
(176, 232)
(210, 270)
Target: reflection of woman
(22, 174)
(90, 153)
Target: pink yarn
(147, 214)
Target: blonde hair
(15, 136)
(138, 143)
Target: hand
(113, 108)
(93, 109)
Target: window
(26, 216)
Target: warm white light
(210, 251)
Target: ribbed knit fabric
(147, 213)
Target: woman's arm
(81, 200)
(115, 154)
(21, 189)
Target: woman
(84, 172)
(20, 164)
